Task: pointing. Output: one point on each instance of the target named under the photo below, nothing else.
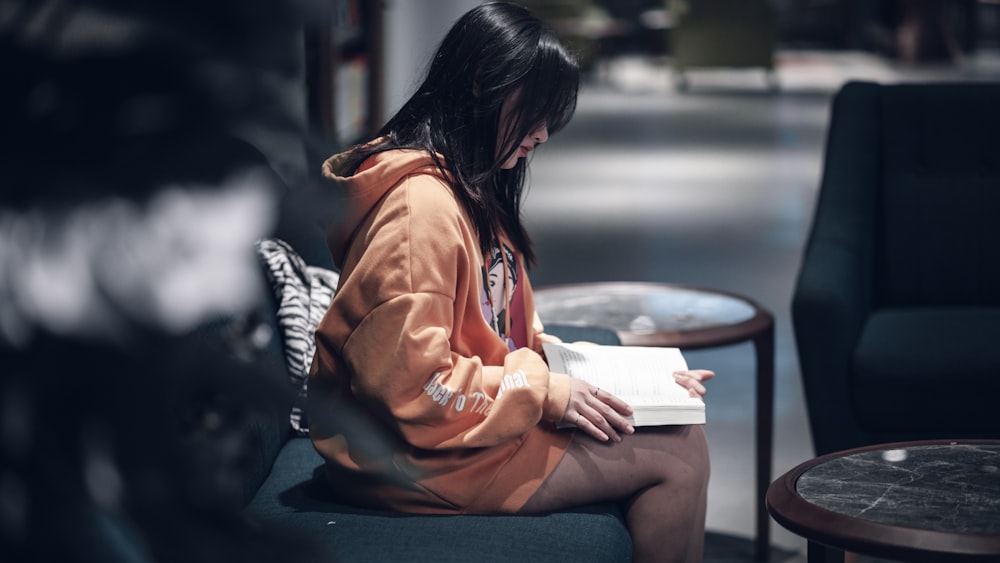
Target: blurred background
(147, 144)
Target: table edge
(864, 536)
(711, 337)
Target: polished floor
(712, 187)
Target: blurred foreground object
(133, 185)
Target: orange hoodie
(416, 402)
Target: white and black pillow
(303, 293)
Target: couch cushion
(302, 295)
(930, 371)
(292, 497)
(592, 334)
(266, 435)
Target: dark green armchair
(896, 309)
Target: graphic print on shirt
(498, 293)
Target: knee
(683, 456)
(693, 465)
(698, 458)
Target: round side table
(936, 500)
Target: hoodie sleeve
(440, 398)
(420, 353)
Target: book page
(638, 375)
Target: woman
(429, 392)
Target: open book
(641, 376)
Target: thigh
(593, 471)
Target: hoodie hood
(367, 186)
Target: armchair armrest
(828, 313)
(834, 290)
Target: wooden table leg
(819, 553)
(764, 351)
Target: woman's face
(538, 135)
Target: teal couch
(284, 488)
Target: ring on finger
(596, 391)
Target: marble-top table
(910, 501)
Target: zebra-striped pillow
(303, 294)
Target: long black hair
(495, 51)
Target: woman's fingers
(612, 411)
(588, 426)
(580, 414)
(597, 412)
(605, 398)
(703, 374)
(602, 415)
(692, 380)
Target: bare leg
(659, 474)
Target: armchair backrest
(937, 212)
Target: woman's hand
(692, 380)
(597, 412)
